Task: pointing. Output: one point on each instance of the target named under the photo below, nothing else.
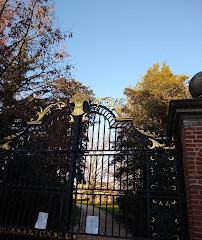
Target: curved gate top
(83, 169)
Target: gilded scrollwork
(153, 186)
(173, 187)
(5, 145)
(7, 140)
(164, 203)
(46, 111)
(156, 144)
(116, 106)
(148, 133)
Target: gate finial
(78, 99)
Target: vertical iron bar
(76, 190)
(87, 204)
(121, 162)
(51, 197)
(106, 198)
(8, 210)
(81, 211)
(26, 205)
(72, 171)
(20, 207)
(87, 137)
(114, 184)
(17, 172)
(108, 159)
(99, 214)
(30, 211)
(89, 178)
(148, 197)
(98, 134)
(93, 197)
(127, 163)
(113, 216)
(96, 171)
(84, 173)
(93, 130)
(119, 222)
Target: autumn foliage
(148, 101)
(34, 63)
(35, 69)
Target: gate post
(185, 123)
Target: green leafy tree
(148, 101)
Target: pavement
(108, 226)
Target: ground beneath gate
(108, 226)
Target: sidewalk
(108, 225)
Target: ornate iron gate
(89, 171)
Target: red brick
(195, 201)
(198, 160)
(187, 145)
(200, 154)
(190, 136)
(198, 218)
(189, 158)
(189, 129)
(198, 234)
(197, 223)
(193, 193)
(198, 132)
(189, 133)
(191, 139)
(194, 176)
(189, 149)
(196, 207)
(193, 181)
(191, 153)
(197, 140)
(196, 212)
(194, 186)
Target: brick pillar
(185, 123)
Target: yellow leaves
(163, 83)
(148, 101)
(51, 7)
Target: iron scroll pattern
(33, 177)
(165, 215)
(154, 187)
(161, 191)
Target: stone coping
(183, 112)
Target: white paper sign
(41, 221)
(92, 223)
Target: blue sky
(115, 41)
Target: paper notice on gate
(41, 221)
(92, 224)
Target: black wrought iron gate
(87, 170)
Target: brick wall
(191, 138)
